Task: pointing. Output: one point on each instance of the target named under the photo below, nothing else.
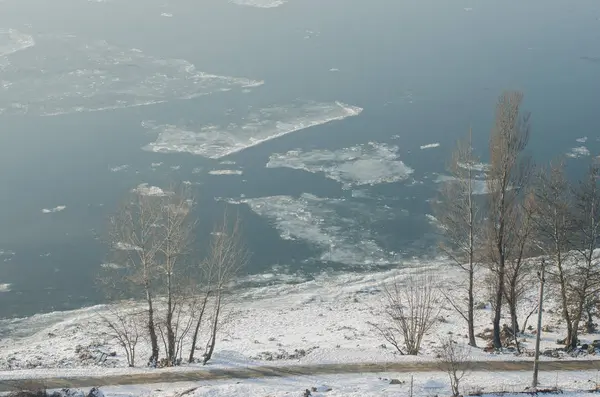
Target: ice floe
(146, 190)
(55, 209)
(225, 172)
(430, 146)
(480, 186)
(253, 128)
(119, 168)
(98, 76)
(577, 152)
(12, 41)
(259, 3)
(367, 164)
(318, 221)
(5, 287)
(582, 139)
(125, 247)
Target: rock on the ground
(95, 392)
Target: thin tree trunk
(471, 314)
(171, 353)
(213, 336)
(197, 329)
(151, 330)
(498, 305)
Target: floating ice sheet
(225, 172)
(367, 164)
(430, 146)
(259, 3)
(64, 74)
(5, 287)
(146, 190)
(55, 209)
(577, 152)
(480, 186)
(319, 221)
(254, 128)
(12, 41)
(119, 168)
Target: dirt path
(275, 371)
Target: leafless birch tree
(227, 256)
(459, 217)
(553, 224)
(507, 175)
(135, 243)
(518, 268)
(585, 279)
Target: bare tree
(123, 322)
(151, 235)
(553, 223)
(459, 217)
(518, 269)
(454, 361)
(135, 243)
(199, 303)
(585, 278)
(174, 231)
(411, 311)
(226, 257)
(507, 176)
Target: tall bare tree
(553, 223)
(174, 232)
(227, 256)
(518, 269)
(199, 303)
(507, 175)
(135, 243)
(585, 279)
(459, 217)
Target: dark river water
(78, 78)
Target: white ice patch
(259, 3)
(582, 139)
(167, 15)
(126, 247)
(156, 165)
(12, 41)
(342, 239)
(480, 167)
(577, 152)
(225, 172)
(55, 209)
(119, 168)
(430, 146)
(146, 190)
(367, 164)
(113, 266)
(5, 287)
(480, 186)
(254, 128)
(98, 76)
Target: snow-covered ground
(325, 320)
